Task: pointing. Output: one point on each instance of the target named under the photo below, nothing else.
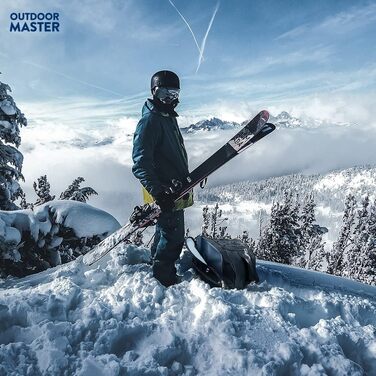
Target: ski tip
(267, 128)
(270, 126)
(264, 114)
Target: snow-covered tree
(215, 215)
(312, 251)
(359, 238)
(307, 218)
(11, 119)
(360, 258)
(23, 202)
(50, 234)
(262, 217)
(205, 220)
(42, 189)
(367, 268)
(280, 240)
(76, 193)
(246, 239)
(316, 252)
(337, 257)
(212, 223)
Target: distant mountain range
(212, 124)
(282, 120)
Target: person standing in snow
(160, 158)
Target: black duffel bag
(226, 263)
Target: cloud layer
(64, 152)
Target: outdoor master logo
(34, 22)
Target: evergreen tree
(336, 259)
(246, 239)
(23, 203)
(205, 221)
(317, 253)
(262, 216)
(76, 193)
(312, 251)
(215, 215)
(360, 262)
(42, 189)
(280, 240)
(352, 254)
(11, 119)
(212, 221)
(367, 269)
(307, 218)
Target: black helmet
(165, 78)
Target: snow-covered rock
(115, 318)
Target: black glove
(165, 201)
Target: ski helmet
(165, 78)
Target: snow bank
(116, 319)
(82, 218)
(31, 241)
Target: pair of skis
(146, 215)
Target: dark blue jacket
(158, 154)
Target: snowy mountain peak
(282, 120)
(285, 120)
(210, 125)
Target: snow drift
(114, 319)
(32, 240)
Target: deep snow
(115, 319)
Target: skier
(160, 162)
(148, 161)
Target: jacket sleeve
(145, 141)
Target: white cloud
(48, 149)
(81, 112)
(340, 23)
(307, 54)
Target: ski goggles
(167, 94)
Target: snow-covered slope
(331, 187)
(245, 201)
(115, 319)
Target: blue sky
(257, 53)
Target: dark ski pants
(167, 246)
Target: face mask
(167, 95)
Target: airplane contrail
(202, 49)
(186, 22)
(72, 78)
